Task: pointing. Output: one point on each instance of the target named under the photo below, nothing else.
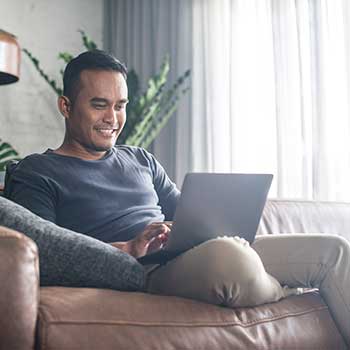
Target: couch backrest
(297, 216)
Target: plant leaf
(87, 42)
(7, 154)
(36, 63)
(148, 130)
(65, 56)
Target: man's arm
(72, 259)
(167, 191)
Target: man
(122, 195)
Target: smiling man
(95, 111)
(121, 195)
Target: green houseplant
(147, 112)
(7, 154)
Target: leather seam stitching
(174, 324)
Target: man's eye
(120, 107)
(97, 106)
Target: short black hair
(89, 60)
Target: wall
(29, 119)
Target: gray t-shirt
(111, 199)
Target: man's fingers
(154, 245)
(161, 223)
(168, 223)
(153, 231)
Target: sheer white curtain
(271, 93)
(270, 86)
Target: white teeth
(106, 132)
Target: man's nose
(110, 117)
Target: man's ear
(64, 105)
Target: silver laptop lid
(213, 205)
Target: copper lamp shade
(9, 58)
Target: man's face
(98, 113)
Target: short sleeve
(167, 191)
(32, 191)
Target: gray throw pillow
(71, 259)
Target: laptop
(212, 205)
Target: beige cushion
(302, 216)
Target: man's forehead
(97, 75)
(100, 82)
(101, 99)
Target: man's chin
(101, 148)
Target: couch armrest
(19, 292)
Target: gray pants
(227, 271)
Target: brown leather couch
(83, 318)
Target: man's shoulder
(29, 170)
(30, 160)
(33, 162)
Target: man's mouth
(107, 132)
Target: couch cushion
(72, 318)
(302, 216)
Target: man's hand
(151, 239)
